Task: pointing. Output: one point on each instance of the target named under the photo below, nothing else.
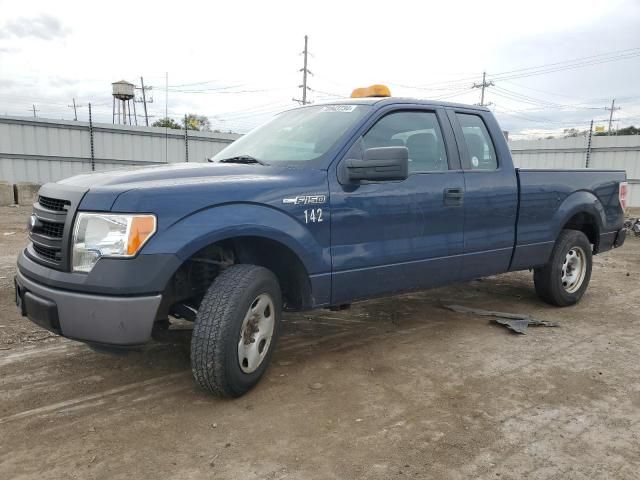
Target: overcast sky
(237, 62)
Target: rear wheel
(236, 329)
(565, 278)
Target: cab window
(418, 131)
(482, 154)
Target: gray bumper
(114, 320)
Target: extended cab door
(395, 236)
(491, 193)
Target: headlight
(99, 235)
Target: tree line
(192, 121)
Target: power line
(519, 85)
(588, 59)
(328, 94)
(223, 91)
(563, 68)
(192, 84)
(521, 98)
(537, 70)
(456, 93)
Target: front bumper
(104, 319)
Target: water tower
(123, 93)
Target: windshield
(299, 135)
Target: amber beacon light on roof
(372, 91)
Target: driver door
(394, 236)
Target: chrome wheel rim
(573, 269)
(256, 333)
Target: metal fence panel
(38, 150)
(607, 152)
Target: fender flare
(581, 201)
(205, 227)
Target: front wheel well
(283, 262)
(190, 282)
(587, 224)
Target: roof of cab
(381, 101)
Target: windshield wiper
(247, 159)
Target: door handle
(453, 196)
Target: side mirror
(380, 164)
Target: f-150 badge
(306, 200)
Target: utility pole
(482, 86)
(135, 114)
(144, 101)
(305, 71)
(75, 109)
(611, 109)
(34, 111)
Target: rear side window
(482, 154)
(418, 131)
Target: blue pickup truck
(322, 206)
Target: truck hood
(176, 190)
(174, 173)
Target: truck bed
(547, 197)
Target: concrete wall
(614, 152)
(40, 151)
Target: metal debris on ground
(515, 322)
(633, 225)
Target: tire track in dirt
(47, 409)
(291, 344)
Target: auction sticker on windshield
(338, 108)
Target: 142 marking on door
(313, 215)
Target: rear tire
(236, 330)
(565, 277)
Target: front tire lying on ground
(236, 329)
(565, 278)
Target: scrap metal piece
(517, 326)
(633, 225)
(515, 322)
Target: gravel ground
(393, 388)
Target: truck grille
(52, 254)
(51, 225)
(53, 204)
(50, 229)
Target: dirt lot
(393, 388)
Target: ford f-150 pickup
(322, 206)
